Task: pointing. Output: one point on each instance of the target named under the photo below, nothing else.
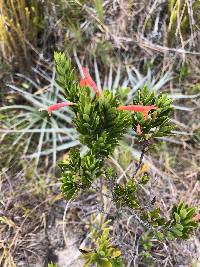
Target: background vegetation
(125, 44)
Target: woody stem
(144, 146)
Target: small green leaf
(160, 236)
(176, 232)
(144, 180)
(183, 214)
(105, 264)
(179, 227)
(177, 217)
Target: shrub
(102, 120)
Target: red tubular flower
(84, 82)
(138, 108)
(58, 106)
(196, 218)
(88, 81)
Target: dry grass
(133, 33)
(19, 23)
(33, 227)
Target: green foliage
(101, 126)
(195, 88)
(158, 123)
(51, 264)
(144, 179)
(66, 77)
(196, 136)
(99, 8)
(146, 241)
(154, 218)
(103, 254)
(34, 133)
(78, 172)
(99, 123)
(125, 196)
(147, 245)
(184, 72)
(123, 92)
(182, 224)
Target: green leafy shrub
(103, 254)
(101, 125)
(102, 120)
(182, 223)
(158, 120)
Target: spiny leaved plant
(32, 133)
(102, 121)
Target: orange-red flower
(58, 106)
(84, 82)
(196, 218)
(88, 81)
(138, 108)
